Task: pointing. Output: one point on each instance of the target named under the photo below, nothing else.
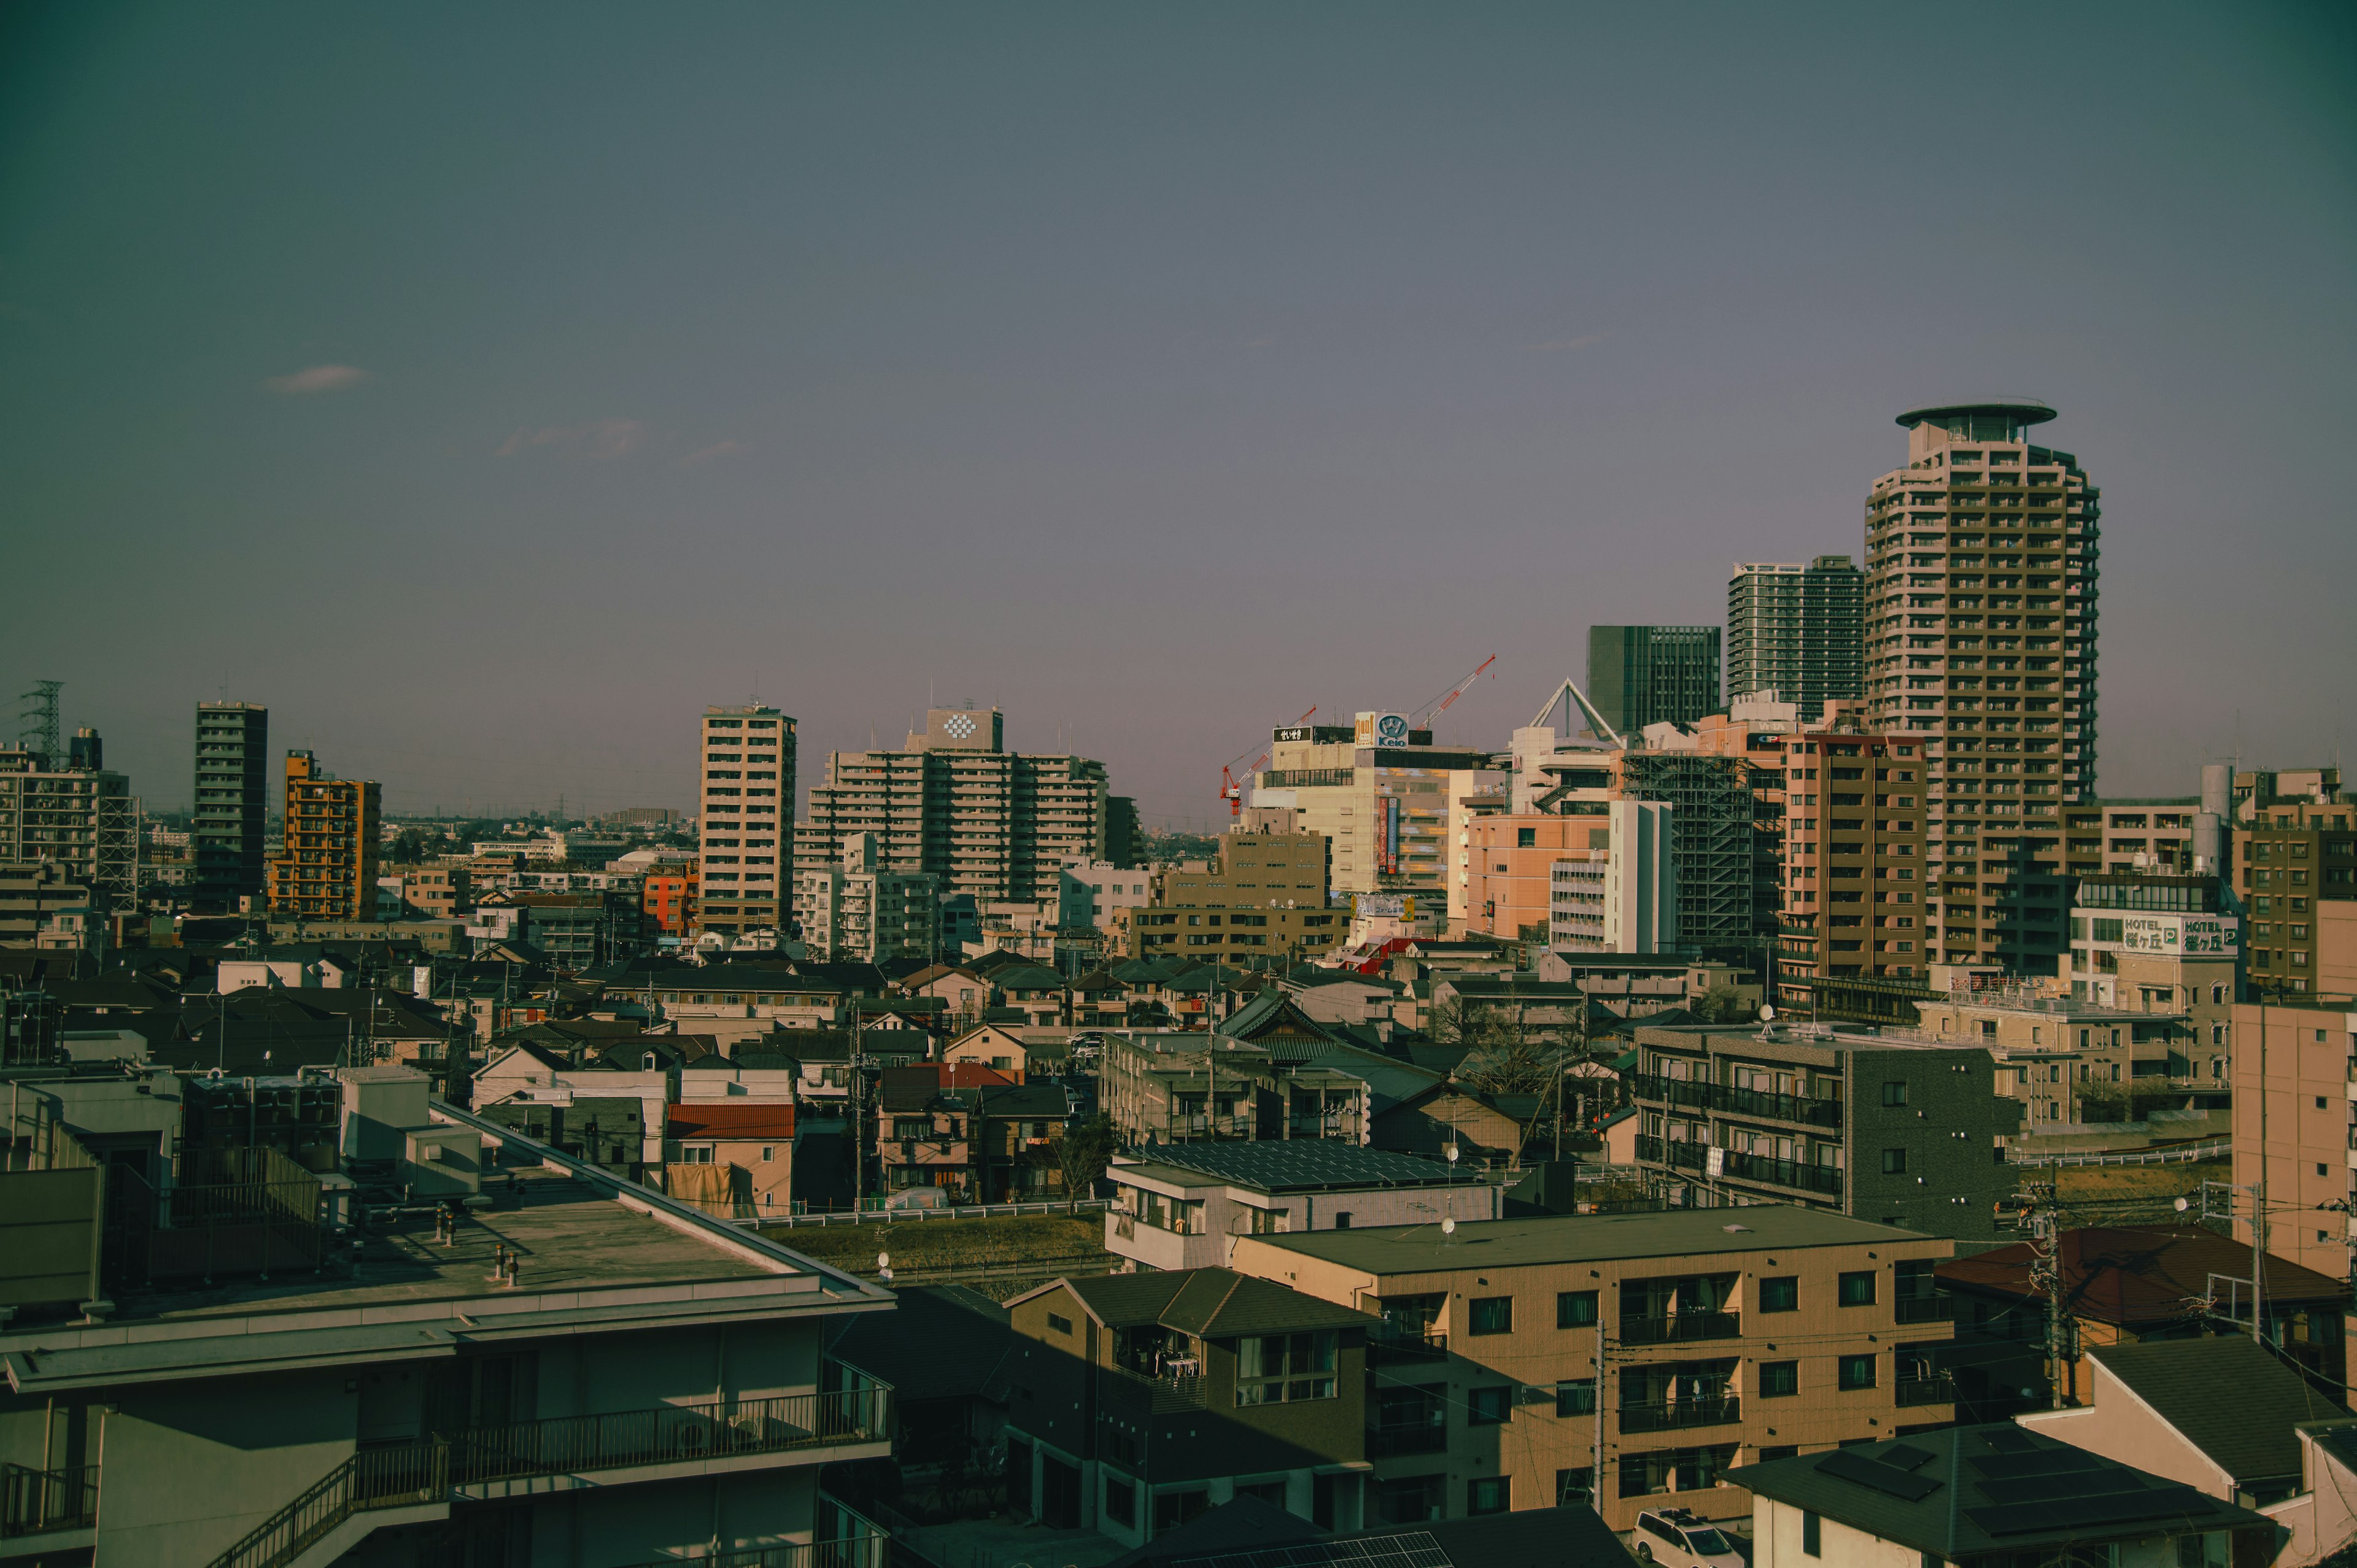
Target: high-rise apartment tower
(1797, 631)
(1639, 675)
(232, 797)
(326, 869)
(72, 813)
(746, 824)
(1980, 636)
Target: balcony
(1682, 1415)
(1938, 1389)
(1679, 1328)
(1393, 1347)
(1698, 1095)
(1824, 1180)
(40, 1502)
(1924, 1309)
(1425, 1437)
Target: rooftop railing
(34, 1502)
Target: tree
(1722, 1003)
(1083, 1153)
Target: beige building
(745, 820)
(1980, 633)
(2296, 1128)
(857, 908)
(1856, 894)
(326, 869)
(2069, 1061)
(1380, 792)
(1625, 895)
(1265, 895)
(2121, 837)
(2296, 866)
(1697, 1339)
(74, 813)
(955, 805)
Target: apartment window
(696, 1154)
(1856, 1372)
(1779, 1379)
(1282, 1369)
(1894, 1094)
(1526, 838)
(1779, 1293)
(1489, 1494)
(1174, 1509)
(1491, 1406)
(1856, 1288)
(1121, 1501)
(1813, 1535)
(1577, 1397)
(1490, 1314)
(1574, 1309)
(1894, 1162)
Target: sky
(487, 389)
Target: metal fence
(35, 1501)
(946, 1212)
(2181, 1154)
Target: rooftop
(2131, 1275)
(1586, 1238)
(1208, 1303)
(1306, 1165)
(2015, 410)
(2228, 1396)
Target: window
(1575, 1398)
(1491, 1406)
(1174, 1509)
(1572, 1489)
(1894, 1094)
(1490, 1314)
(696, 1154)
(1526, 838)
(1342, 1219)
(1270, 1492)
(1779, 1379)
(1856, 1372)
(1857, 1289)
(1060, 1323)
(1779, 1293)
(1894, 1162)
(1278, 1369)
(1410, 1499)
(1489, 1494)
(1779, 1451)
(1812, 1538)
(1575, 1310)
(1121, 1501)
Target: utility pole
(2035, 1203)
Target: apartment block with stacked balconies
(326, 867)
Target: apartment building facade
(1903, 1132)
(2294, 860)
(72, 813)
(861, 909)
(2296, 1128)
(2069, 1059)
(326, 865)
(954, 803)
(1981, 634)
(1797, 630)
(745, 823)
(1625, 896)
(1857, 897)
(232, 797)
(1639, 675)
(2129, 834)
(1381, 793)
(1516, 1357)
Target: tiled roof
(2133, 1274)
(2230, 1398)
(730, 1120)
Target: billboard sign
(1385, 905)
(1315, 734)
(2171, 936)
(1382, 730)
(1387, 840)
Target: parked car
(1680, 1538)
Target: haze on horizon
(487, 391)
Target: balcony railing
(1823, 1179)
(1704, 1096)
(870, 1547)
(1924, 1308)
(32, 1502)
(1429, 1437)
(1682, 1414)
(1940, 1388)
(1389, 1347)
(1679, 1328)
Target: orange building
(326, 868)
(1509, 883)
(669, 901)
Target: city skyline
(486, 475)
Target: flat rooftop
(1586, 1239)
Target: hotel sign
(2181, 935)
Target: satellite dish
(883, 1259)
(1451, 1153)
(1767, 1015)
(2182, 1206)
(1449, 1227)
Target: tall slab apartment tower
(745, 823)
(232, 797)
(1797, 630)
(1980, 634)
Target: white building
(1091, 891)
(860, 908)
(1622, 899)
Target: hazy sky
(485, 389)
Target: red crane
(1439, 705)
(1232, 789)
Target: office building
(744, 821)
(231, 799)
(72, 813)
(2163, 946)
(1798, 631)
(1380, 791)
(1693, 1344)
(1639, 675)
(1901, 1132)
(1980, 634)
(1857, 898)
(326, 867)
(1263, 895)
(996, 825)
(861, 910)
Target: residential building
(955, 805)
(1142, 1401)
(1175, 1086)
(2295, 1106)
(1109, 887)
(71, 811)
(2292, 861)
(745, 820)
(1797, 630)
(667, 899)
(1182, 1206)
(1980, 635)
(32, 896)
(1903, 1132)
(1263, 895)
(2122, 1284)
(733, 1158)
(1639, 675)
(1510, 864)
(860, 908)
(326, 865)
(2124, 835)
(1018, 1053)
(1856, 893)
(443, 892)
(2072, 1061)
(1381, 794)
(527, 1358)
(2257, 787)
(1473, 793)
(1124, 837)
(232, 797)
(1625, 896)
(1693, 1343)
(1985, 1496)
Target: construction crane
(1439, 705)
(1231, 788)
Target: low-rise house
(1019, 1130)
(733, 1158)
(1142, 1401)
(1018, 1051)
(607, 1132)
(1182, 1206)
(1987, 1497)
(1695, 1338)
(925, 1125)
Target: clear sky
(486, 388)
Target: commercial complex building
(1379, 791)
(744, 824)
(326, 867)
(1857, 897)
(232, 798)
(70, 812)
(1798, 631)
(996, 825)
(860, 909)
(1694, 1344)
(1639, 675)
(1981, 621)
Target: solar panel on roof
(2071, 1484)
(2035, 1462)
(1904, 1456)
(1410, 1548)
(1845, 1466)
(2008, 1440)
(2150, 1504)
